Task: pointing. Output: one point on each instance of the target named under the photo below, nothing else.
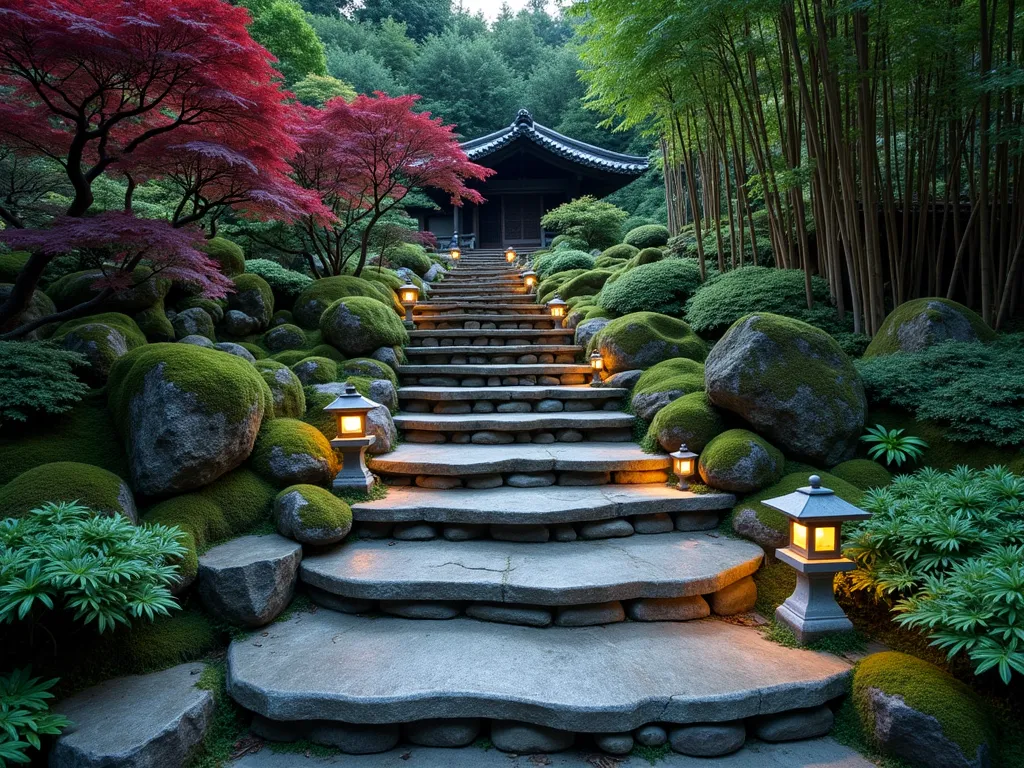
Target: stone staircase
(530, 576)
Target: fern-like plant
(25, 715)
(38, 377)
(893, 445)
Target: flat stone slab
(535, 506)
(508, 394)
(519, 349)
(537, 369)
(142, 721)
(461, 460)
(571, 573)
(585, 679)
(513, 422)
(496, 333)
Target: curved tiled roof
(523, 127)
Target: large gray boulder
(586, 330)
(101, 344)
(194, 321)
(383, 391)
(923, 323)
(40, 305)
(792, 383)
(142, 721)
(253, 297)
(432, 274)
(237, 323)
(380, 424)
(249, 580)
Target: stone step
(481, 308)
(484, 321)
(536, 506)
(504, 374)
(506, 349)
(511, 394)
(331, 666)
(450, 460)
(493, 337)
(515, 422)
(559, 573)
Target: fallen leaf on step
(603, 761)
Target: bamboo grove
(874, 142)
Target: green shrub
(562, 261)
(647, 256)
(410, 256)
(103, 570)
(647, 236)
(727, 297)
(949, 549)
(618, 253)
(315, 299)
(286, 284)
(962, 714)
(24, 704)
(585, 284)
(38, 378)
(863, 473)
(547, 287)
(567, 242)
(976, 391)
(67, 481)
(227, 254)
(596, 222)
(661, 287)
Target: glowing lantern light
(596, 365)
(684, 464)
(349, 410)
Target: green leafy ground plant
(893, 445)
(25, 715)
(38, 378)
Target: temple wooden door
(521, 219)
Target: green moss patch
(154, 324)
(677, 373)
(127, 327)
(643, 339)
(691, 419)
(739, 460)
(647, 236)
(774, 519)
(316, 370)
(662, 286)
(368, 368)
(96, 488)
(291, 441)
(359, 325)
(863, 473)
(585, 284)
(227, 254)
(285, 388)
(314, 300)
(921, 323)
(291, 356)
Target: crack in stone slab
(504, 570)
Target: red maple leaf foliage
(362, 158)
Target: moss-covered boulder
(187, 414)
(368, 368)
(285, 388)
(289, 451)
(914, 711)
(409, 256)
(792, 383)
(563, 260)
(863, 473)
(617, 254)
(691, 420)
(194, 321)
(326, 350)
(358, 325)
(100, 490)
(253, 297)
(311, 515)
(769, 527)
(587, 329)
(316, 370)
(586, 284)
(155, 324)
(642, 339)
(227, 254)
(11, 265)
(230, 506)
(79, 287)
(213, 307)
(282, 317)
(282, 337)
(102, 340)
(311, 303)
(291, 356)
(40, 306)
(647, 236)
(667, 381)
(741, 462)
(922, 323)
(662, 286)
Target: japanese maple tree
(145, 89)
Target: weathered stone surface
(796, 724)
(647, 404)
(584, 478)
(709, 740)
(482, 482)
(671, 565)
(199, 341)
(387, 356)
(194, 321)
(740, 461)
(239, 324)
(235, 349)
(339, 603)
(586, 330)
(489, 424)
(455, 732)
(590, 615)
(285, 336)
(923, 323)
(352, 739)
(380, 424)
(488, 437)
(463, 531)
(614, 743)
(624, 379)
(669, 609)
(564, 532)
(311, 515)
(142, 721)
(651, 736)
(738, 597)
(792, 383)
(697, 521)
(251, 579)
(657, 522)
(437, 483)
(641, 477)
(524, 738)
(606, 529)
(414, 532)
(530, 480)
(383, 391)
(525, 615)
(420, 609)
(553, 392)
(550, 406)
(746, 524)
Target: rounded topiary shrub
(410, 256)
(863, 473)
(647, 236)
(913, 710)
(662, 286)
(100, 490)
(691, 420)
(639, 340)
(740, 461)
(647, 256)
(358, 325)
(568, 242)
(667, 381)
(727, 297)
(560, 261)
(311, 515)
(286, 284)
(921, 323)
(311, 303)
(585, 284)
(289, 451)
(619, 253)
(285, 387)
(547, 287)
(227, 254)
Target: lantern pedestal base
(408, 315)
(812, 611)
(353, 474)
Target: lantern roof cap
(409, 286)
(682, 453)
(557, 301)
(813, 502)
(351, 400)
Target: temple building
(536, 169)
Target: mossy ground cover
(96, 488)
(788, 484)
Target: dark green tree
(281, 26)
(423, 17)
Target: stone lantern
(557, 308)
(510, 254)
(529, 279)
(684, 464)
(596, 366)
(816, 516)
(350, 410)
(455, 253)
(409, 294)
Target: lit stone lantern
(684, 464)
(349, 410)
(510, 254)
(557, 308)
(596, 365)
(409, 294)
(455, 253)
(529, 279)
(816, 516)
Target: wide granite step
(508, 394)
(331, 666)
(570, 573)
(513, 422)
(532, 369)
(494, 333)
(480, 307)
(461, 460)
(536, 506)
(505, 349)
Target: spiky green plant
(25, 715)
(893, 445)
